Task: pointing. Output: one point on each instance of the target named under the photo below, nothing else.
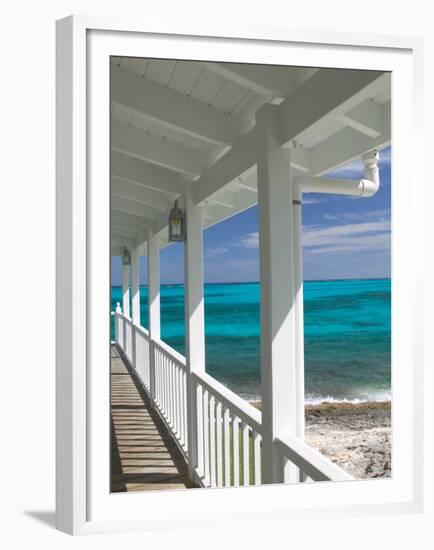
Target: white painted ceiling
(173, 120)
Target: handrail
(141, 329)
(309, 460)
(176, 356)
(126, 317)
(243, 409)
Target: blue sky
(343, 237)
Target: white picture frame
(83, 504)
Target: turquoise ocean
(346, 326)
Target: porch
(277, 133)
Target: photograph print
(250, 274)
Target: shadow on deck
(144, 457)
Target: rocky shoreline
(357, 437)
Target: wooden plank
(144, 456)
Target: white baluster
(175, 399)
(246, 461)
(200, 449)
(212, 441)
(227, 446)
(181, 408)
(257, 458)
(236, 451)
(206, 437)
(172, 383)
(218, 420)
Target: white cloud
(368, 236)
(350, 237)
(385, 156)
(307, 200)
(352, 170)
(211, 252)
(380, 215)
(250, 241)
(356, 244)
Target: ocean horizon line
(257, 282)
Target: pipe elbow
(371, 182)
(368, 188)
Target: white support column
(135, 286)
(126, 290)
(299, 315)
(135, 301)
(194, 324)
(278, 347)
(118, 311)
(153, 301)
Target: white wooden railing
(171, 390)
(141, 355)
(311, 463)
(228, 429)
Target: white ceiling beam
(150, 176)
(219, 214)
(248, 183)
(137, 237)
(265, 80)
(125, 226)
(119, 230)
(132, 207)
(118, 243)
(328, 94)
(301, 74)
(300, 159)
(166, 106)
(162, 152)
(208, 213)
(138, 222)
(245, 200)
(224, 198)
(245, 186)
(138, 193)
(122, 241)
(241, 158)
(115, 224)
(366, 118)
(347, 145)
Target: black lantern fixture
(126, 257)
(176, 224)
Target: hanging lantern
(176, 224)
(126, 257)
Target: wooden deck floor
(144, 456)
